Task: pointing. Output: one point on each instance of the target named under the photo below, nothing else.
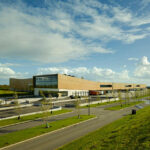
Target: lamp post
(89, 107)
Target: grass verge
(100, 104)
(30, 117)
(128, 133)
(10, 92)
(21, 135)
(118, 107)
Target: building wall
(73, 83)
(21, 84)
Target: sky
(100, 40)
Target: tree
(108, 97)
(17, 105)
(113, 94)
(77, 105)
(120, 97)
(127, 97)
(0, 102)
(50, 102)
(98, 98)
(148, 93)
(132, 95)
(46, 105)
(137, 95)
(49, 107)
(89, 111)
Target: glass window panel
(105, 86)
(49, 81)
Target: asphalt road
(12, 128)
(24, 110)
(56, 139)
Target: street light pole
(89, 107)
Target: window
(105, 86)
(46, 81)
(137, 85)
(128, 85)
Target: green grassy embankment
(21, 135)
(9, 93)
(128, 133)
(30, 117)
(100, 104)
(118, 107)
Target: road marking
(46, 133)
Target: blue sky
(101, 40)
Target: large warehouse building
(67, 85)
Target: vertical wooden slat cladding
(20, 84)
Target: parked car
(72, 97)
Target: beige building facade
(70, 85)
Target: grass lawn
(100, 104)
(10, 92)
(29, 117)
(140, 97)
(21, 135)
(123, 106)
(131, 132)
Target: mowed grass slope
(100, 104)
(10, 92)
(118, 107)
(129, 133)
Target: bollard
(133, 111)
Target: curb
(32, 113)
(32, 120)
(47, 133)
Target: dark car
(72, 97)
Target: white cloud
(130, 38)
(126, 16)
(133, 58)
(41, 38)
(9, 64)
(6, 72)
(36, 34)
(143, 69)
(145, 3)
(140, 74)
(122, 15)
(95, 73)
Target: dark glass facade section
(105, 86)
(50, 81)
(128, 86)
